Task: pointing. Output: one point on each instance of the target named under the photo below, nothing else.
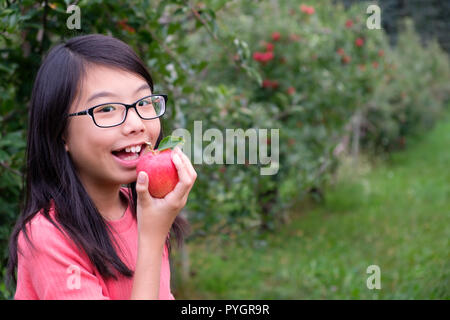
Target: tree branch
(199, 18)
(172, 54)
(7, 167)
(44, 27)
(213, 35)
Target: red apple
(162, 173)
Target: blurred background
(364, 141)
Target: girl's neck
(114, 214)
(109, 201)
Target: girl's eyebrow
(102, 94)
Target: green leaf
(252, 73)
(170, 142)
(4, 156)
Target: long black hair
(50, 173)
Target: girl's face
(89, 146)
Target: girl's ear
(65, 144)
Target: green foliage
(430, 18)
(394, 215)
(410, 98)
(318, 68)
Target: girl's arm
(154, 218)
(146, 279)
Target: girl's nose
(133, 122)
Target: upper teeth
(134, 149)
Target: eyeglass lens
(113, 114)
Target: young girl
(81, 234)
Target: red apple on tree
(157, 163)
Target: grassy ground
(394, 215)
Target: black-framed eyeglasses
(113, 114)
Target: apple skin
(162, 173)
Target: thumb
(144, 197)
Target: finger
(143, 196)
(186, 162)
(183, 173)
(191, 172)
(190, 168)
(183, 186)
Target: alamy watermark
(374, 20)
(374, 280)
(74, 20)
(74, 277)
(221, 147)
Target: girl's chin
(123, 177)
(128, 180)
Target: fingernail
(141, 177)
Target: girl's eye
(144, 103)
(104, 109)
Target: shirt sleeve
(54, 269)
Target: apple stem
(150, 147)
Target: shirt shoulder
(51, 266)
(44, 234)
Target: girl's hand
(155, 216)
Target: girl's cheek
(154, 130)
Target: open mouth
(129, 154)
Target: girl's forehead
(117, 82)
(99, 77)
(101, 83)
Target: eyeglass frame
(90, 111)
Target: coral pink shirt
(58, 270)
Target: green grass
(395, 215)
